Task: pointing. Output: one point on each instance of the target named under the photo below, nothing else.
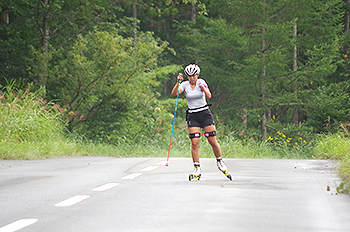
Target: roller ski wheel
(194, 177)
(223, 168)
(228, 175)
(196, 174)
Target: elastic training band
(198, 135)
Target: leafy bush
(108, 85)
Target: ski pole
(172, 128)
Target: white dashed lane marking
(132, 176)
(105, 187)
(17, 225)
(20, 224)
(72, 201)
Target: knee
(195, 143)
(213, 142)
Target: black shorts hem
(200, 119)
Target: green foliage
(90, 55)
(30, 126)
(106, 83)
(289, 144)
(244, 76)
(27, 117)
(64, 20)
(322, 62)
(334, 146)
(331, 104)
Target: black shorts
(200, 119)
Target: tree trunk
(134, 15)
(193, 12)
(244, 117)
(263, 76)
(346, 18)
(263, 117)
(45, 41)
(295, 114)
(4, 18)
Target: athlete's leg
(212, 141)
(217, 149)
(195, 143)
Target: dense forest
(275, 67)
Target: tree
(15, 36)
(37, 29)
(268, 75)
(103, 76)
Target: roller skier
(199, 116)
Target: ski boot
(196, 175)
(223, 168)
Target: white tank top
(195, 97)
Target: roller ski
(196, 175)
(223, 168)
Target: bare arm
(205, 89)
(176, 86)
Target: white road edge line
(17, 225)
(148, 169)
(105, 187)
(132, 176)
(72, 201)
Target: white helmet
(192, 69)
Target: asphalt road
(141, 194)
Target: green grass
(337, 148)
(31, 128)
